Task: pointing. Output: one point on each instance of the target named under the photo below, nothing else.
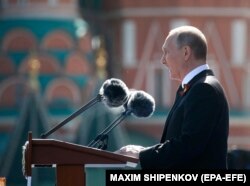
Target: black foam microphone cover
(115, 92)
(141, 104)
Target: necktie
(184, 89)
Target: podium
(69, 159)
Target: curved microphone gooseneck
(101, 141)
(140, 104)
(92, 102)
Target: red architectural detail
(85, 43)
(63, 88)
(10, 90)
(19, 39)
(59, 40)
(77, 64)
(6, 66)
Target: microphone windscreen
(115, 92)
(141, 104)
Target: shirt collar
(193, 73)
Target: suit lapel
(177, 100)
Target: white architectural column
(129, 43)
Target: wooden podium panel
(68, 158)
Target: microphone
(113, 93)
(140, 104)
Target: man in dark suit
(196, 130)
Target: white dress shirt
(193, 73)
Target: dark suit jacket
(196, 130)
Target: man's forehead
(167, 41)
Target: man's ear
(186, 50)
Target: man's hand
(130, 150)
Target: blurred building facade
(51, 48)
(138, 30)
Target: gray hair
(192, 37)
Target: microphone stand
(98, 98)
(102, 139)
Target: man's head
(184, 49)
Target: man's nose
(163, 61)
